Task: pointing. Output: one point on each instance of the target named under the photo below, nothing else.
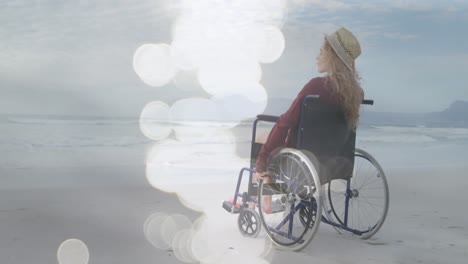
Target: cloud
(456, 61)
(412, 5)
(398, 35)
(70, 40)
(86, 47)
(386, 6)
(330, 5)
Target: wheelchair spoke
(376, 180)
(369, 174)
(372, 204)
(358, 168)
(370, 197)
(373, 188)
(370, 218)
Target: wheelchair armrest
(268, 118)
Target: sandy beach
(106, 191)
(124, 126)
(426, 222)
(37, 217)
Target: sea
(32, 141)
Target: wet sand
(107, 209)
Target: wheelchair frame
(337, 223)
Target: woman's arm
(279, 132)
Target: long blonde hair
(344, 83)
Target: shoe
(237, 205)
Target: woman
(340, 86)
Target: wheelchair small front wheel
(248, 222)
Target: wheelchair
(323, 179)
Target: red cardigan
(283, 133)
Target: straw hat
(345, 45)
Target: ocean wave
(64, 121)
(396, 139)
(72, 143)
(431, 132)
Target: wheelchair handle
(268, 118)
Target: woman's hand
(260, 175)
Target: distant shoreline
(455, 116)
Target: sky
(75, 57)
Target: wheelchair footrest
(230, 207)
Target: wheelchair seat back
(324, 131)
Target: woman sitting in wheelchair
(309, 161)
(340, 86)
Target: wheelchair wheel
(248, 222)
(296, 202)
(360, 203)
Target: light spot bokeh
(217, 46)
(174, 166)
(155, 120)
(182, 244)
(172, 225)
(153, 64)
(152, 230)
(223, 44)
(187, 80)
(73, 251)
